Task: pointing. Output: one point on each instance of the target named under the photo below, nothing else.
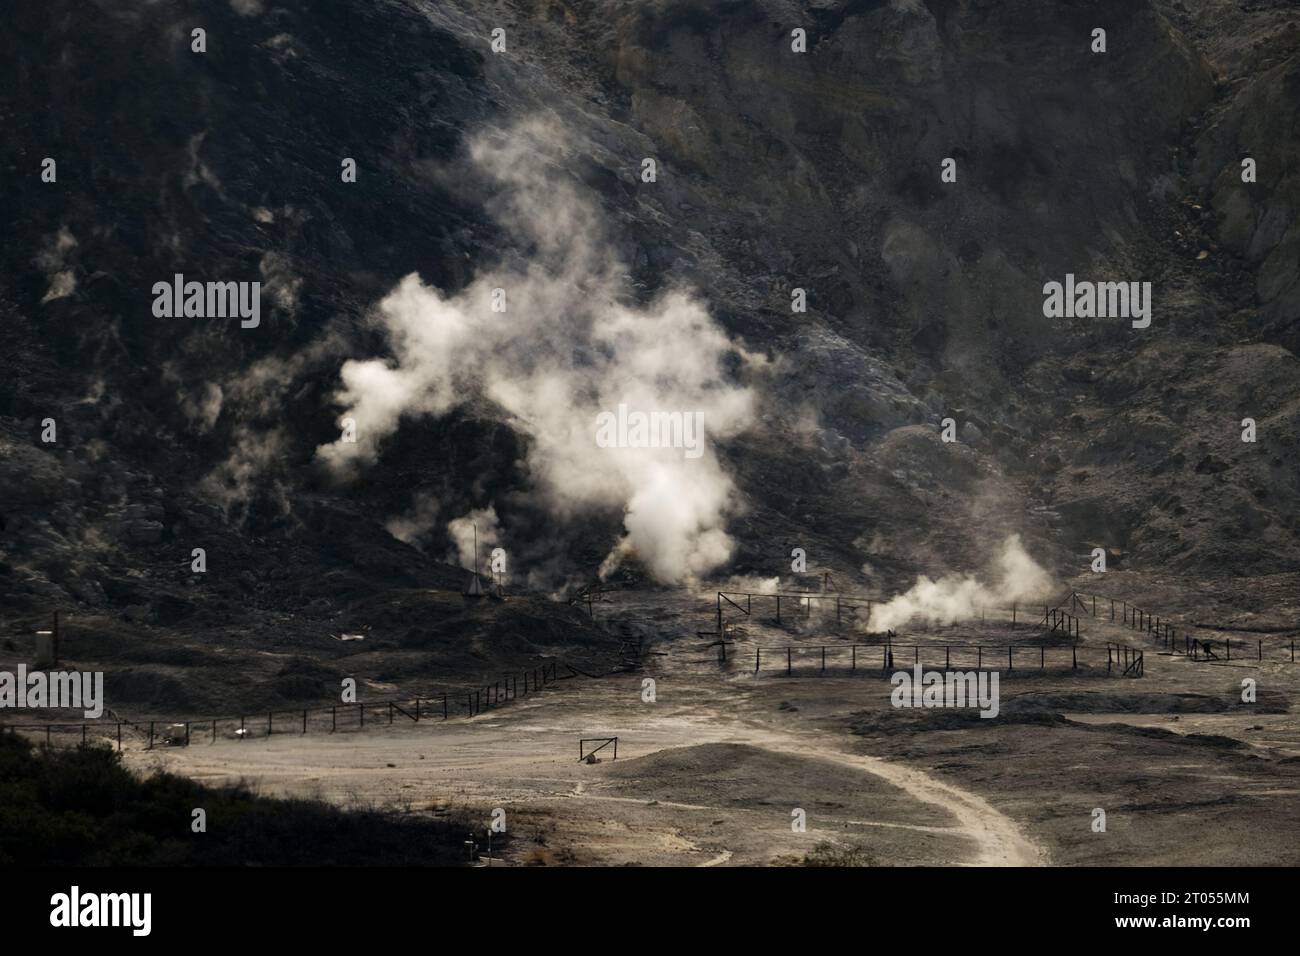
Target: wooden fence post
(334, 718)
(241, 727)
(150, 747)
(304, 721)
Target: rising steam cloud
(476, 530)
(568, 347)
(959, 597)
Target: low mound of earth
(734, 776)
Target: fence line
(1167, 635)
(415, 709)
(882, 658)
(1054, 617)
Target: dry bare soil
(711, 771)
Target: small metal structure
(590, 756)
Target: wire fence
(883, 659)
(1180, 637)
(837, 609)
(352, 716)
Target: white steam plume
(414, 525)
(568, 347)
(462, 531)
(959, 597)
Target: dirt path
(999, 840)
(516, 761)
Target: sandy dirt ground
(716, 768)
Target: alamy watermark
(212, 300)
(946, 689)
(76, 909)
(1098, 300)
(75, 690)
(636, 429)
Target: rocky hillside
(776, 170)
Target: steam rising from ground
(568, 347)
(414, 526)
(956, 598)
(463, 531)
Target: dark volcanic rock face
(777, 170)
